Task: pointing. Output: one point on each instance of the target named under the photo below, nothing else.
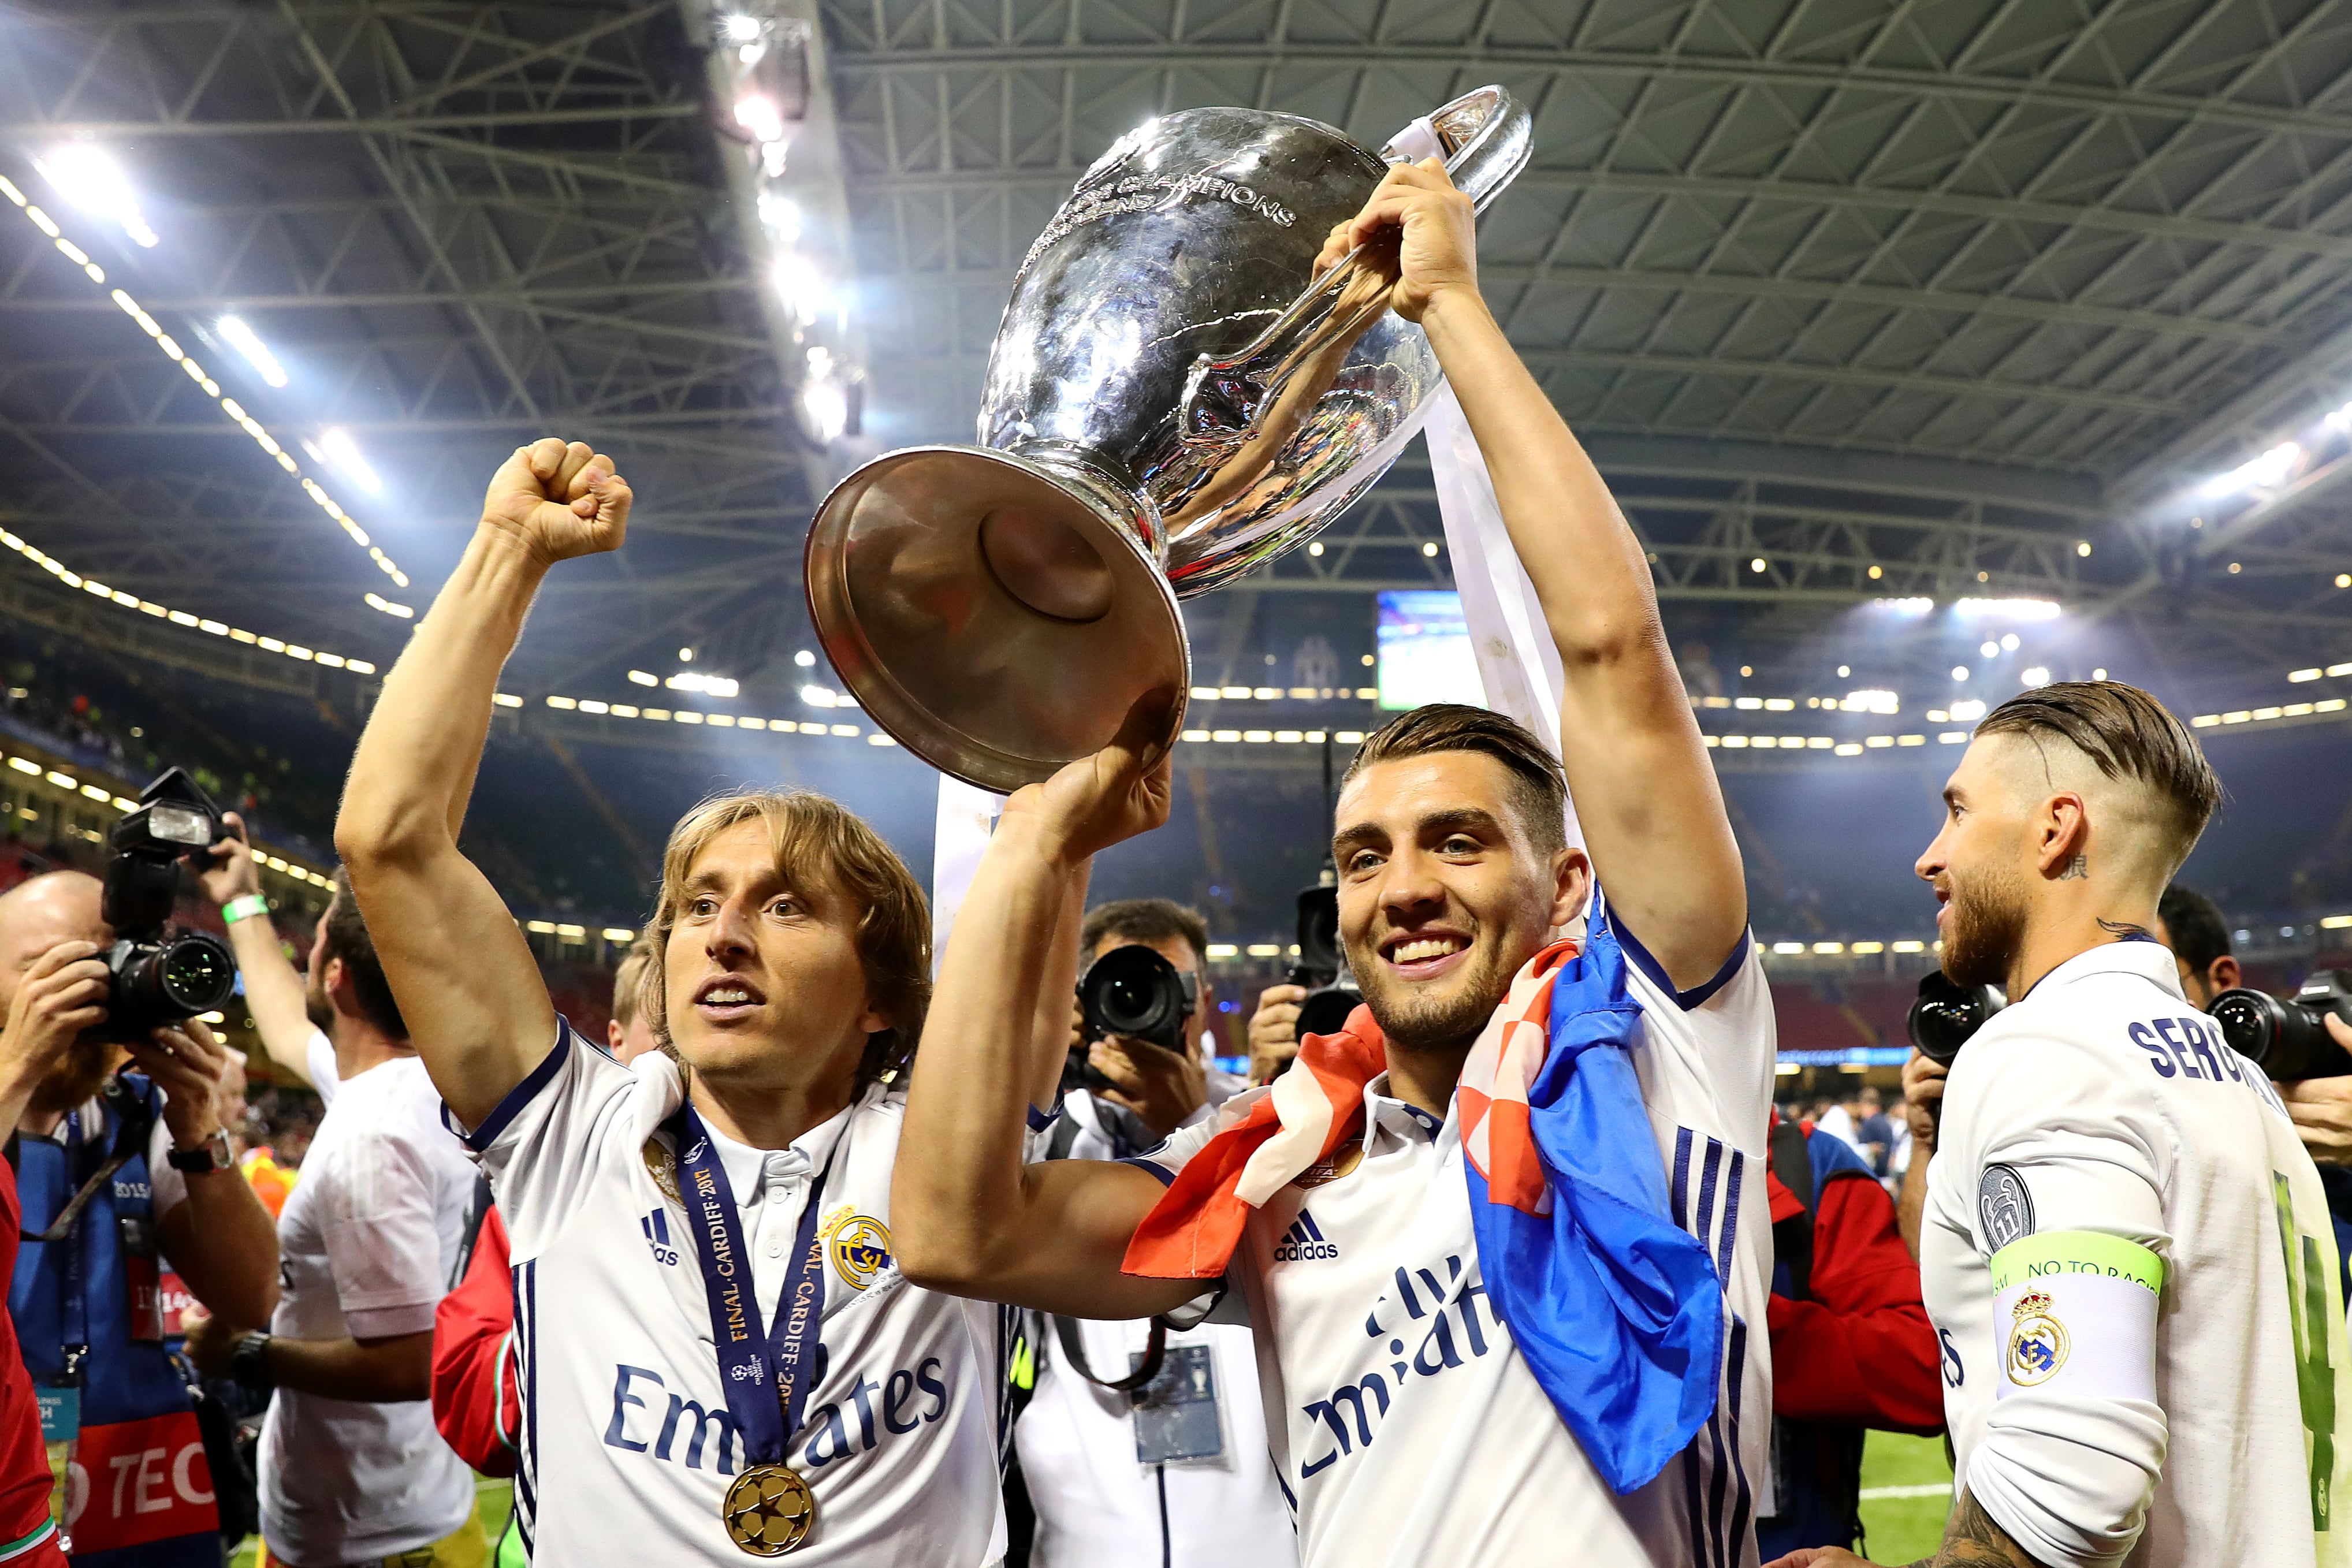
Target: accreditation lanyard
(751, 1361)
(74, 1313)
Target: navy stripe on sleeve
(520, 1095)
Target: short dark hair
(346, 938)
(2194, 922)
(1144, 920)
(2127, 733)
(1538, 787)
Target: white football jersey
(1403, 1421)
(627, 1444)
(2103, 1104)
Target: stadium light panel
(246, 341)
(87, 175)
(337, 447)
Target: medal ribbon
(751, 1361)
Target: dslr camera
(1946, 1013)
(1133, 992)
(155, 976)
(2288, 1039)
(1322, 968)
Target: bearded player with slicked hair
(2126, 1252)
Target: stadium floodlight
(828, 406)
(337, 447)
(2013, 609)
(760, 118)
(804, 659)
(246, 341)
(2264, 473)
(1913, 606)
(1959, 672)
(804, 288)
(820, 696)
(1872, 700)
(740, 29)
(87, 175)
(709, 686)
(781, 216)
(2036, 675)
(1965, 712)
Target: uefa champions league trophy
(1173, 400)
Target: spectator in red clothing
(475, 1401)
(1851, 1345)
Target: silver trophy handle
(1485, 135)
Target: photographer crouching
(1138, 1433)
(124, 1170)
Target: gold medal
(769, 1509)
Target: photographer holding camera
(124, 1173)
(1183, 1402)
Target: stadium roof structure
(1851, 298)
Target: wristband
(246, 1364)
(244, 907)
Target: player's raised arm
(1646, 794)
(466, 981)
(968, 1215)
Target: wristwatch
(211, 1154)
(245, 1365)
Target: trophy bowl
(1175, 398)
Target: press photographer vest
(138, 1489)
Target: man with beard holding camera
(2125, 1249)
(123, 1439)
(1525, 1323)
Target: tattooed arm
(1972, 1537)
(1971, 1540)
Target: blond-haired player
(2125, 1249)
(714, 1347)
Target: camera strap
(133, 1124)
(1155, 1351)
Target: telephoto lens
(165, 981)
(1135, 993)
(2288, 1039)
(1947, 1013)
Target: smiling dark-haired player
(1429, 1400)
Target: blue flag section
(1618, 1309)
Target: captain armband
(2074, 1312)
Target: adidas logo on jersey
(1303, 1242)
(656, 1229)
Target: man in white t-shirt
(1404, 1414)
(716, 1351)
(351, 1467)
(2126, 1250)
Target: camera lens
(1127, 1003)
(2287, 1041)
(1135, 992)
(1946, 1014)
(195, 974)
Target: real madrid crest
(662, 1166)
(859, 1246)
(2037, 1341)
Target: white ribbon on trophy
(1518, 661)
(967, 817)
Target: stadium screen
(1424, 651)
